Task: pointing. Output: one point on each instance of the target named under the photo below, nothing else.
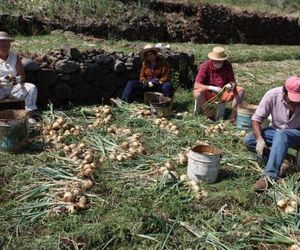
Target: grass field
(132, 204)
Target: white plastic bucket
(204, 163)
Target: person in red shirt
(212, 76)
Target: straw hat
(217, 54)
(4, 37)
(149, 47)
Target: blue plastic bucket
(244, 115)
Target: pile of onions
(143, 113)
(215, 129)
(184, 114)
(163, 123)
(295, 246)
(119, 131)
(128, 149)
(287, 205)
(182, 158)
(58, 129)
(242, 133)
(167, 168)
(103, 116)
(75, 202)
(86, 160)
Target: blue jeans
(133, 86)
(279, 141)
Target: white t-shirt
(8, 67)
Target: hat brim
(294, 97)
(142, 53)
(6, 39)
(212, 57)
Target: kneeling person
(272, 143)
(213, 75)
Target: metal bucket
(161, 106)
(244, 114)
(13, 130)
(151, 95)
(204, 163)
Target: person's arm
(20, 69)
(256, 127)
(231, 83)
(143, 77)
(164, 74)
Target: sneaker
(262, 184)
(32, 120)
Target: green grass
(132, 209)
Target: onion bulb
(289, 210)
(196, 188)
(293, 204)
(184, 177)
(88, 183)
(281, 203)
(68, 197)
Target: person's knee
(249, 140)
(130, 83)
(281, 136)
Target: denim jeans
(133, 86)
(278, 142)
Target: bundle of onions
(103, 116)
(163, 123)
(287, 205)
(58, 129)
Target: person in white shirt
(12, 76)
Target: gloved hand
(260, 146)
(214, 88)
(229, 87)
(150, 84)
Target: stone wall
(94, 76)
(167, 21)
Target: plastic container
(244, 114)
(161, 107)
(13, 130)
(204, 163)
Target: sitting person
(12, 76)
(154, 75)
(272, 143)
(212, 76)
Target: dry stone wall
(93, 76)
(173, 22)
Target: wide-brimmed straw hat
(4, 37)
(292, 86)
(149, 47)
(217, 54)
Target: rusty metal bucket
(13, 130)
(161, 107)
(150, 95)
